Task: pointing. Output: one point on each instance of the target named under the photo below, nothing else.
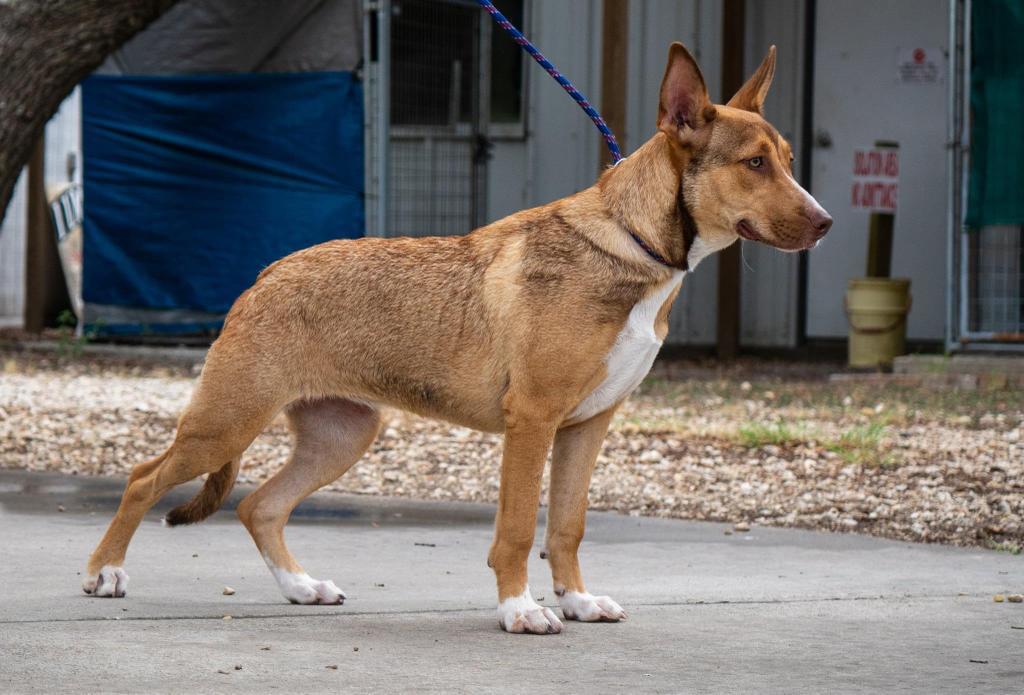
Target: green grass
(860, 445)
(863, 445)
(68, 344)
(862, 436)
(755, 434)
(1005, 547)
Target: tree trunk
(46, 48)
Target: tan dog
(538, 325)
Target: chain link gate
(427, 106)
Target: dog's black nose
(820, 221)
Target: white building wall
(64, 142)
(63, 138)
(12, 258)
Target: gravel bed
(746, 446)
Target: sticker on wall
(920, 65)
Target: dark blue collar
(689, 230)
(651, 252)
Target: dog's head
(737, 171)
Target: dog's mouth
(746, 230)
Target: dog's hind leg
(330, 436)
(572, 462)
(217, 426)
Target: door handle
(822, 138)
(482, 149)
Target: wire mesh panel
(436, 118)
(995, 266)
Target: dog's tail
(215, 490)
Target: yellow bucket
(877, 309)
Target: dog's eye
(755, 162)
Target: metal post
(954, 140)
(481, 142)
(880, 230)
(806, 158)
(369, 106)
(383, 115)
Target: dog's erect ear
(684, 105)
(752, 95)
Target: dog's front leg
(572, 462)
(527, 442)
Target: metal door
(859, 99)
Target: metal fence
(986, 266)
(995, 283)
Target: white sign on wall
(876, 176)
(920, 65)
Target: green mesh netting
(996, 186)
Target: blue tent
(220, 139)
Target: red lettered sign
(876, 174)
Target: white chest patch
(631, 355)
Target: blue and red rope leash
(609, 136)
(524, 43)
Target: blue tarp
(193, 184)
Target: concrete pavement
(772, 610)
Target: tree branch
(46, 48)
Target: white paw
(301, 588)
(523, 614)
(111, 582)
(588, 608)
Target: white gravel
(677, 449)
